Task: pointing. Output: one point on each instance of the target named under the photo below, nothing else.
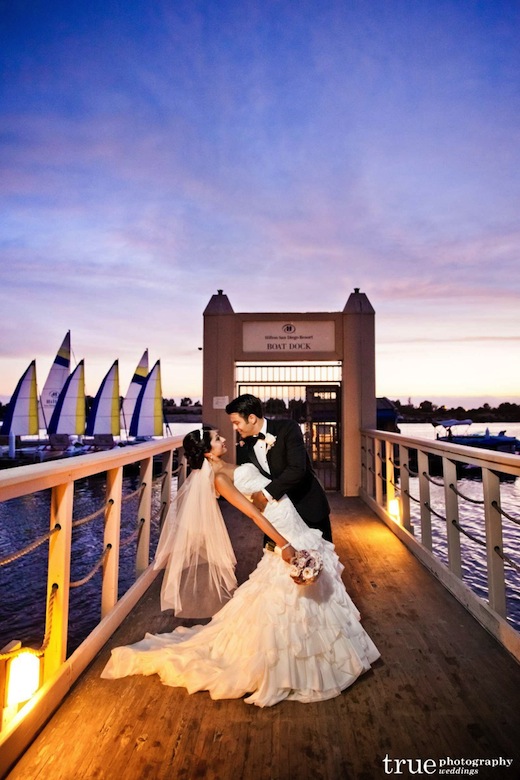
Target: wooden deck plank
(443, 687)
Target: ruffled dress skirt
(274, 639)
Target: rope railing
(431, 480)
(505, 557)
(409, 470)
(75, 524)
(134, 493)
(503, 512)
(412, 498)
(97, 513)
(94, 570)
(133, 536)
(466, 498)
(30, 547)
(47, 637)
(467, 533)
(432, 510)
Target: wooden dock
(443, 690)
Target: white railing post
(166, 487)
(404, 481)
(378, 470)
(493, 519)
(390, 472)
(144, 516)
(371, 465)
(424, 495)
(451, 504)
(112, 536)
(58, 573)
(365, 470)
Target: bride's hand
(288, 554)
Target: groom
(277, 448)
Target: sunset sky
(285, 151)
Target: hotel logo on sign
(283, 338)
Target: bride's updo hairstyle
(196, 444)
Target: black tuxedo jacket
(292, 473)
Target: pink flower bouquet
(306, 567)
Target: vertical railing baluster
(390, 472)
(364, 464)
(451, 504)
(495, 564)
(166, 487)
(404, 481)
(371, 467)
(58, 572)
(112, 536)
(378, 470)
(424, 494)
(144, 516)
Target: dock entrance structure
(317, 367)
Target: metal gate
(309, 394)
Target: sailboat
(56, 378)
(103, 422)
(147, 419)
(69, 415)
(134, 388)
(22, 412)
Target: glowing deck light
(394, 509)
(24, 678)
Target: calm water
(471, 517)
(23, 583)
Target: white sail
(69, 413)
(104, 414)
(22, 413)
(53, 386)
(134, 388)
(147, 419)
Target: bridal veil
(194, 547)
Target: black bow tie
(251, 440)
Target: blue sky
(152, 152)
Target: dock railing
(392, 462)
(57, 673)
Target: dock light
(23, 677)
(394, 509)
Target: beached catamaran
(147, 419)
(69, 413)
(104, 415)
(22, 413)
(132, 394)
(55, 381)
(62, 405)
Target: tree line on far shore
(427, 411)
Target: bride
(273, 639)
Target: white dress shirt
(260, 449)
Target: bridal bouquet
(306, 567)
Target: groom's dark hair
(245, 405)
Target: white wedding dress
(274, 639)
